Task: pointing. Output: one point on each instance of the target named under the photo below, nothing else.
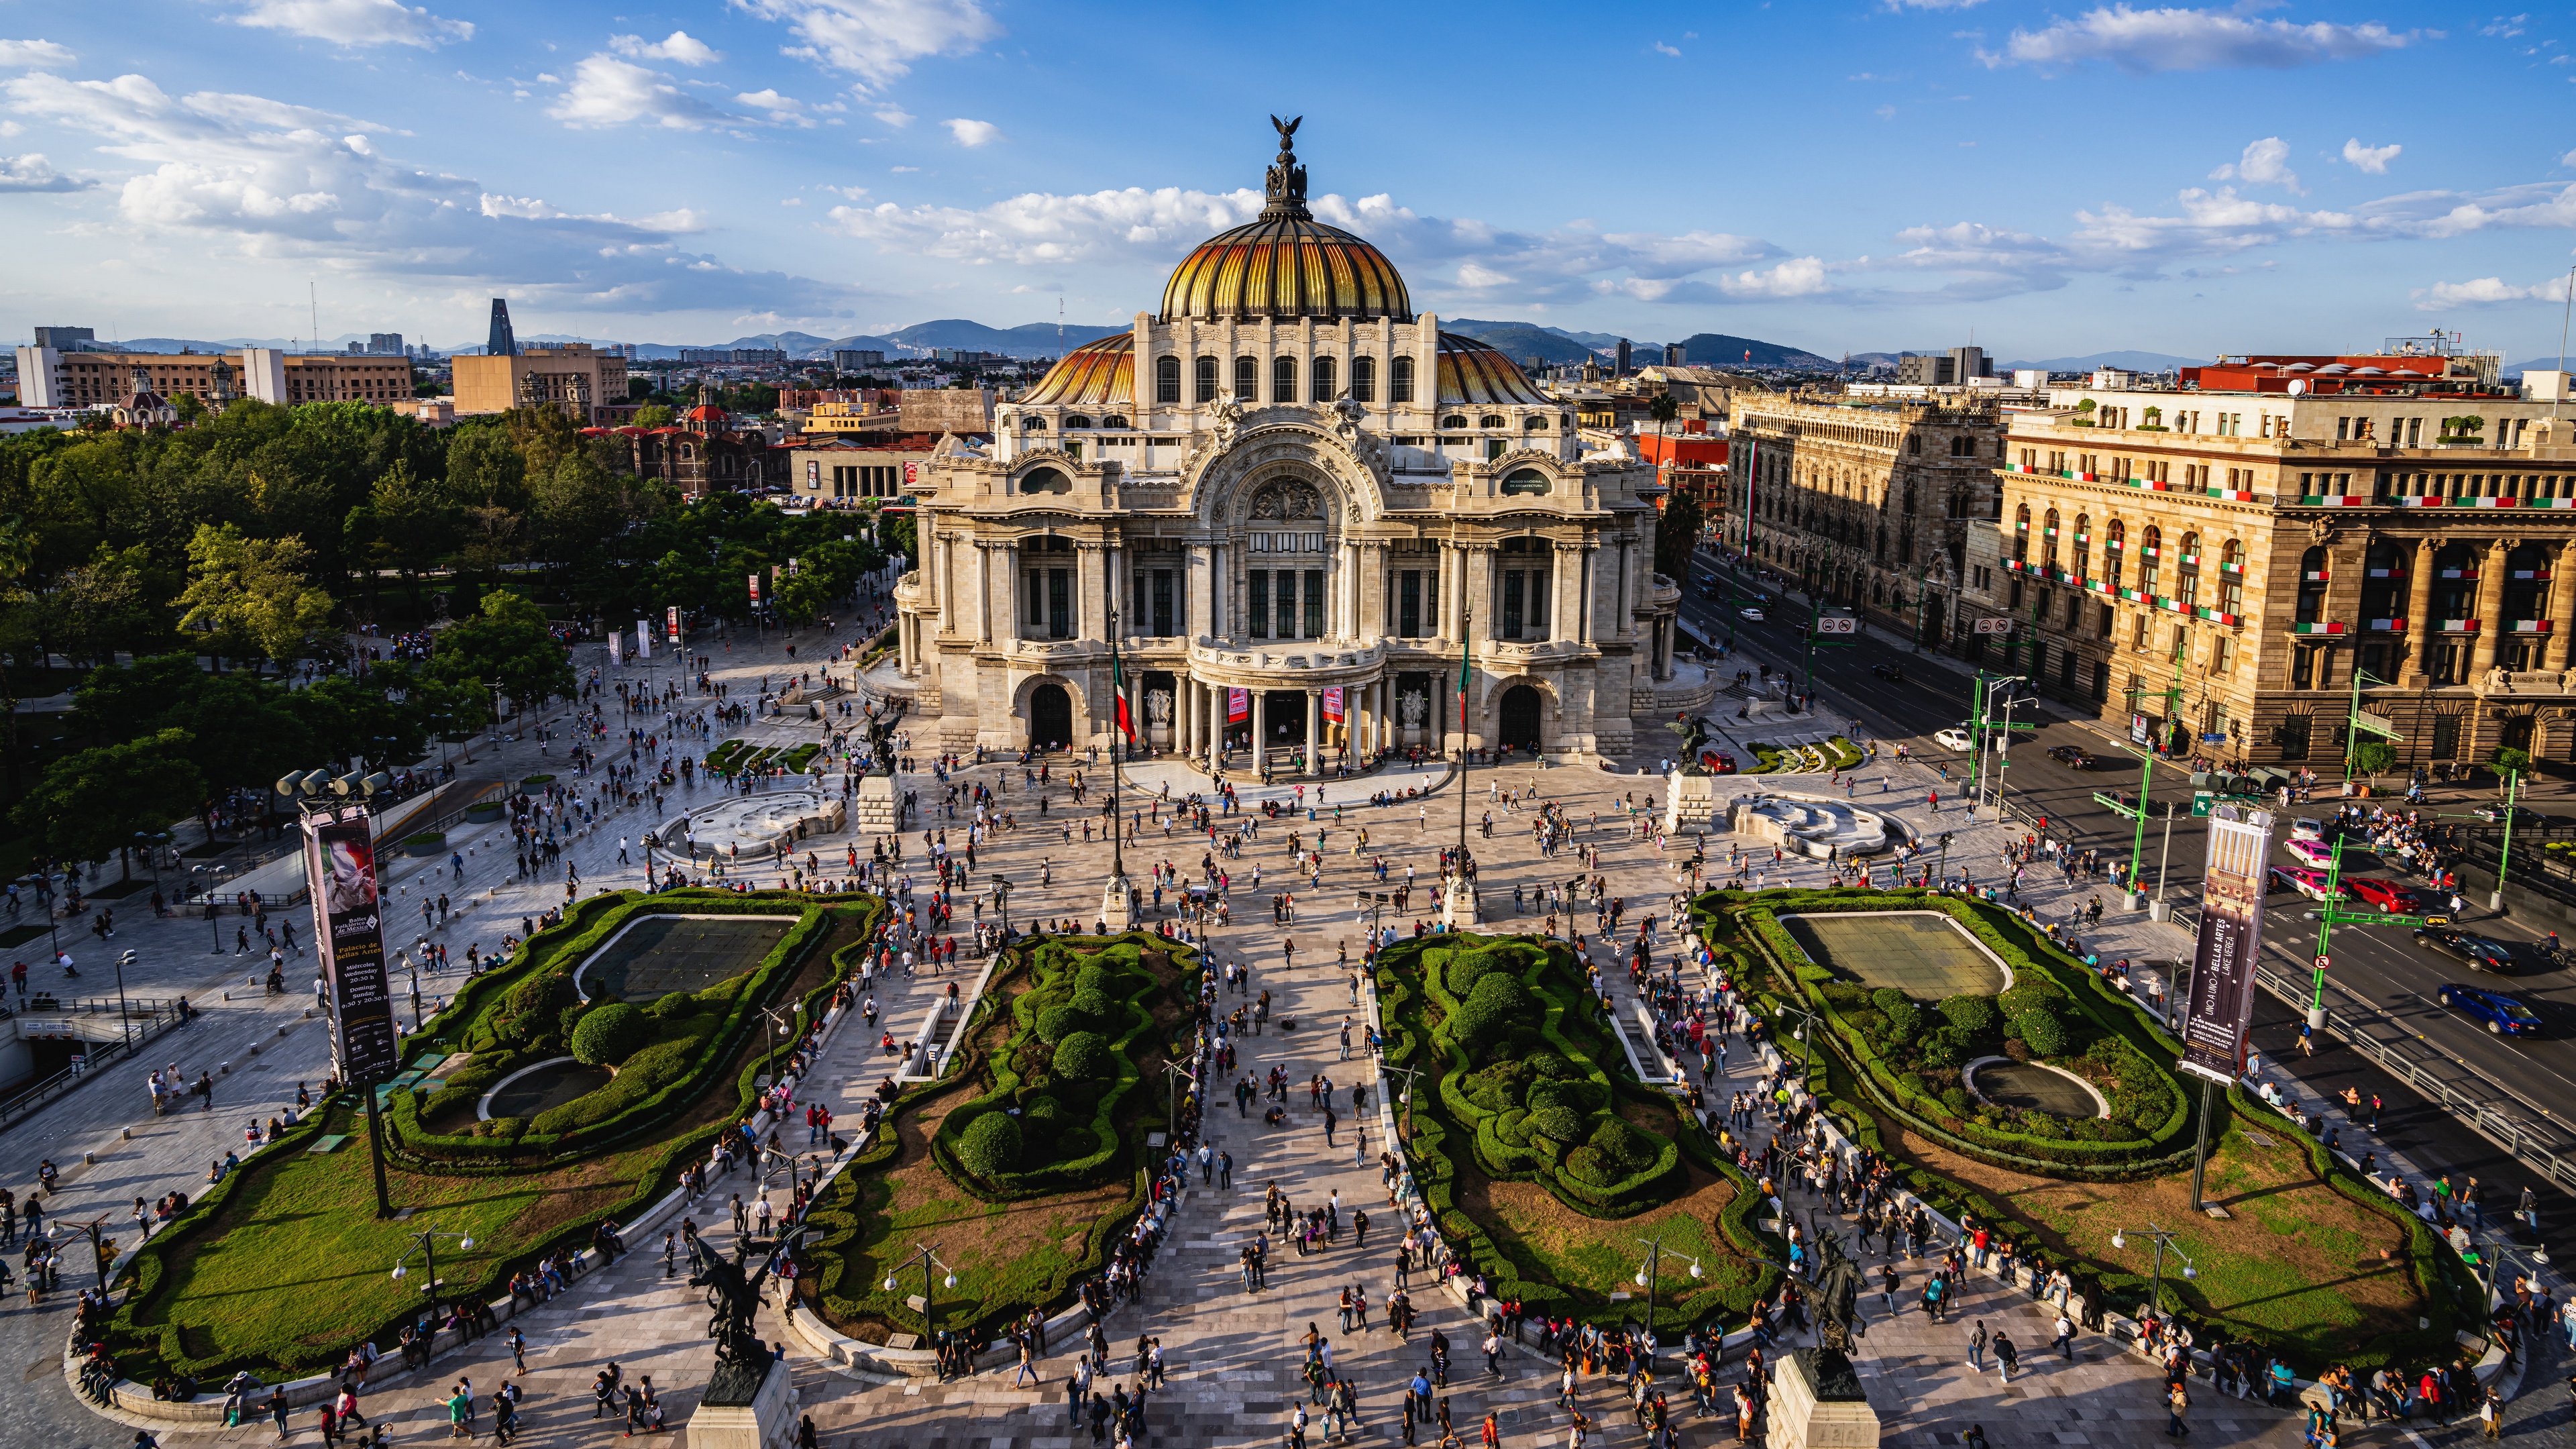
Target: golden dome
(1285, 264)
(1476, 374)
(1097, 372)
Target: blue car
(2503, 1015)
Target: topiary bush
(609, 1034)
(1972, 1015)
(1061, 1021)
(2043, 1033)
(1486, 1019)
(990, 1145)
(1084, 1056)
(1556, 1122)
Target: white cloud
(244, 178)
(2372, 159)
(32, 172)
(793, 201)
(2175, 38)
(1472, 275)
(1663, 49)
(679, 48)
(895, 116)
(2487, 292)
(877, 40)
(971, 134)
(354, 22)
(2265, 163)
(606, 91)
(20, 54)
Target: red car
(1717, 762)
(2387, 895)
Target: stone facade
(1868, 502)
(1289, 485)
(2227, 586)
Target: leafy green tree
(407, 524)
(653, 415)
(508, 642)
(1677, 534)
(94, 803)
(248, 598)
(2374, 757)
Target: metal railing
(154, 1016)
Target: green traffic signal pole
(2504, 857)
(2332, 914)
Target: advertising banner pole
(348, 934)
(2223, 960)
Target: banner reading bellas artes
(348, 928)
(2231, 932)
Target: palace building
(1301, 509)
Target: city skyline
(1906, 174)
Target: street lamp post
(214, 911)
(1646, 1280)
(926, 1260)
(124, 1033)
(425, 1244)
(2164, 1241)
(779, 1019)
(1002, 900)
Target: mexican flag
(1118, 691)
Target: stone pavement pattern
(1233, 1358)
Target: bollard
(223, 1069)
(89, 1159)
(281, 1028)
(254, 1048)
(127, 1134)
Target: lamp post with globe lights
(424, 1245)
(2165, 1241)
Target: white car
(1753, 614)
(1954, 739)
(2305, 828)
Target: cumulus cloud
(2487, 292)
(1663, 49)
(2372, 159)
(263, 180)
(679, 48)
(32, 172)
(895, 116)
(2266, 163)
(2175, 38)
(354, 22)
(22, 54)
(971, 134)
(877, 40)
(606, 91)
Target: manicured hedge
(1416, 974)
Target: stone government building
(1287, 483)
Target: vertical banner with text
(1238, 706)
(671, 621)
(340, 870)
(2231, 932)
(643, 638)
(1333, 703)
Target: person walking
(1977, 1347)
(2007, 1357)
(2176, 1400)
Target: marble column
(1260, 728)
(1136, 705)
(983, 591)
(1314, 731)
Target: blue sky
(1848, 176)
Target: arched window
(2021, 534)
(1206, 380)
(1525, 480)
(1454, 420)
(1045, 480)
(2048, 540)
(1400, 388)
(2231, 576)
(1536, 423)
(1247, 380)
(1115, 420)
(1167, 379)
(2083, 551)
(2151, 565)
(1033, 424)
(1077, 421)
(1322, 382)
(1283, 379)
(1364, 379)
(2112, 543)
(1492, 420)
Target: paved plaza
(1232, 1357)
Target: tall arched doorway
(1050, 717)
(1518, 726)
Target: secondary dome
(1101, 371)
(1474, 373)
(1286, 264)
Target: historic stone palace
(1300, 508)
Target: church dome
(1286, 264)
(1097, 372)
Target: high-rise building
(503, 342)
(855, 360)
(1675, 354)
(385, 344)
(1620, 358)
(66, 339)
(1944, 369)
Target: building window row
(1323, 381)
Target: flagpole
(1467, 663)
(1118, 710)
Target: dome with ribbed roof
(1097, 372)
(1285, 264)
(1474, 374)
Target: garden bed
(1541, 1163)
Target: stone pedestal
(738, 1413)
(1118, 904)
(1690, 802)
(875, 810)
(1816, 1403)
(1459, 908)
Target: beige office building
(576, 377)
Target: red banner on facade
(1333, 704)
(1238, 706)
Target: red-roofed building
(1691, 461)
